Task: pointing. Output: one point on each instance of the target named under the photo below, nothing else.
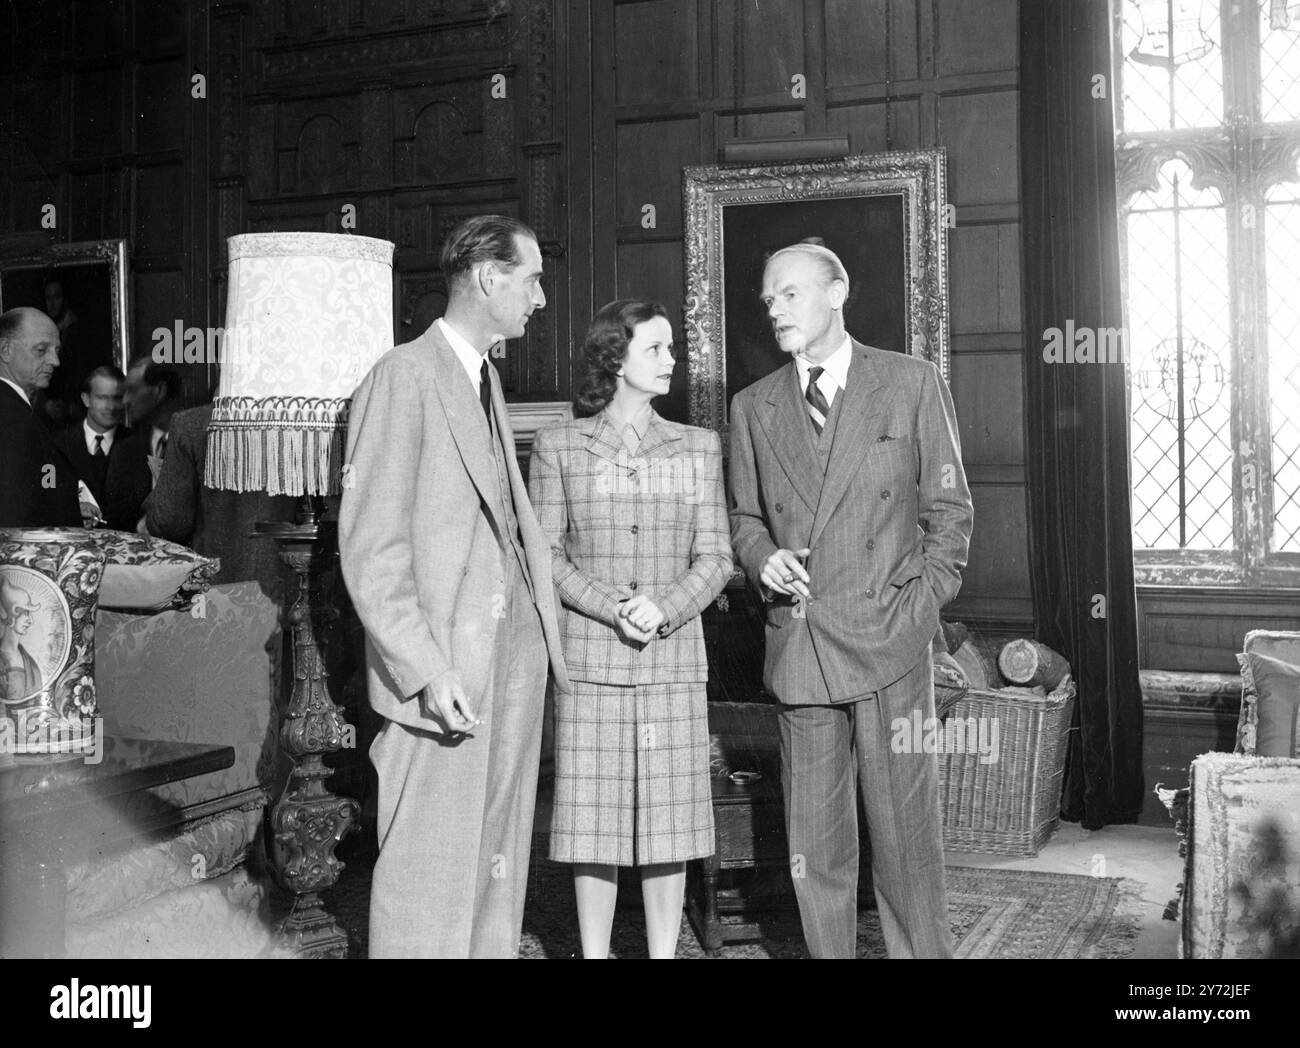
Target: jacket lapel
(865, 397)
(536, 550)
(784, 417)
(602, 441)
(465, 418)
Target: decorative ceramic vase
(49, 589)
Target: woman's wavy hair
(605, 349)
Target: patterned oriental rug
(994, 914)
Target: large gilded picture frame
(885, 215)
(85, 288)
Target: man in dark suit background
(215, 523)
(850, 511)
(38, 483)
(93, 444)
(152, 396)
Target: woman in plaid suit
(634, 509)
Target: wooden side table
(749, 822)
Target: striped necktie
(485, 391)
(818, 409)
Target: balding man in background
(38, 485)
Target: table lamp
(307, 315)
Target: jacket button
(780, 508)
(871, 593)
(631, 585)
(634, 529)
(884, 494)
(871, 543)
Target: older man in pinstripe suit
(850, 511)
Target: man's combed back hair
(103, 371)
(832, 268)
(483, 238)
(158, 375)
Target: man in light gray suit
(850, 512)
(451, 578)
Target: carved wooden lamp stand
(307, 316)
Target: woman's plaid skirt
(632, 775)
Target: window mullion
(1251, 443)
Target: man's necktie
(818, 409)
(485, 392)
(99, 446)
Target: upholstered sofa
(1241, 887)
(193, 881)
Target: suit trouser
(824, 750)
(456, 818)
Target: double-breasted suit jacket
(888, 523)
(622, 524)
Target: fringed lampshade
(307, 315)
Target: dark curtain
(1076, 415)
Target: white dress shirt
(107, 443)
(835, 375)
(471, 359)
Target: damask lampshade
(307, 315)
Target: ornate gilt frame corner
(112, 253)
(920, 177)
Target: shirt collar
(640, 432)
(21, 392)
(91, 434)
(470, 358)
(836, 366)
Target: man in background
(152, 395)
(215, 523)
(38, 485)
(93, 444)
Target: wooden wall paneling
(162, 105)
(199, 127)
(604, 160)
(981, 131)
(995, 585)
(656, 65)
(975, 36)
(858, 42)
(580, 154)
(990, 411)
(97, 110)
(758, 49)
(1202, 630)
(654, 269)
(541, 160)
